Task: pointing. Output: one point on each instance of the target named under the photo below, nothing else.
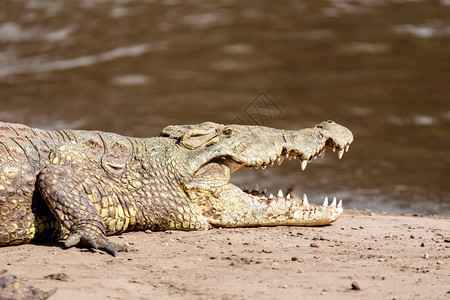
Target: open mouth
(289, 195)
(218, 196)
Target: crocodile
(78, 186)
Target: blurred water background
(379, 67)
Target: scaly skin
(83, 185)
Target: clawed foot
(97, 242)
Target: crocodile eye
(227, 132)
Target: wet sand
(387, 256)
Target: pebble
(355, 286)
(314, 245)
(58, 276)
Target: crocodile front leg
(65, 191)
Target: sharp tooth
(255, 188)
(280, 160)
(286, 155)
(340, 153)
(325, 202)
(304, 164)
(265, 191)
(263, 167)
(288, 196)
(305, 200)
(245, 190)
(271, 164)
(280, 193)
(333, 204)
(322, 153)
(257, 167)
(290, 157)
(295, 157)
(271, 196)
(346, 148)
(263, 197)
(339, 204)
(334, 149)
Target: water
(381, 68)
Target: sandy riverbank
(388, 256)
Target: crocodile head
(214, 151)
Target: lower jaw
(229, 206)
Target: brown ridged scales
(83, 185)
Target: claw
(95, 242)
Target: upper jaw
(274, 146)
(221, 168)
(305, 144)
(290, 153)
(255, 147)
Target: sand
(385, 256)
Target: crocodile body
(83, 185)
